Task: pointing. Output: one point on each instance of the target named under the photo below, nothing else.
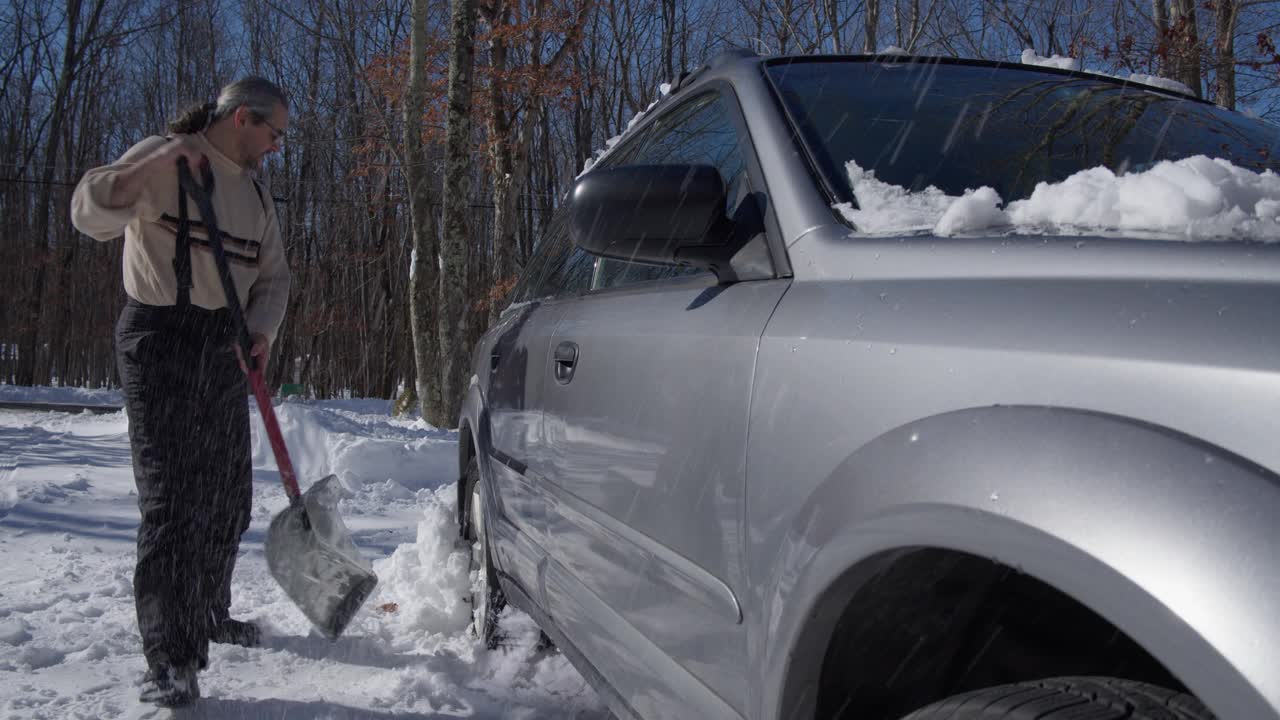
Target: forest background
(430, 142)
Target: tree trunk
(1160, 18)
(871, 26)
(423, 274)
(1186, 45)
(1225, 75)
(668, 39)
(455, 350)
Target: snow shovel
(309, 551)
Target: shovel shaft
(200, 193)
(278, 448)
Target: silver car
(740, 460)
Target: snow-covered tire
(1068, 698)
(487, 600)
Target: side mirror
(660, 214)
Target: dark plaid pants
(187, 402)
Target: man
(181, 370)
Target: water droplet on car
(995, 496)
(893, 351)
(915, 436)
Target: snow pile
(427, 581)
(1195, 198)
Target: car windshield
(957, 127)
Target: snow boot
(236, 632)
(170, 685)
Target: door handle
(566, 359)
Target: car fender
(1168, 538)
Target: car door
(646, 410)
(518, 365)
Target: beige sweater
(248, 223)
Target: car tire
(487, 600)
(1069, 698)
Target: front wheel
(1071, 698)
(487, 600)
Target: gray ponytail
(257, 94)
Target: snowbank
(359, 447)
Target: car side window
(567, 268)
(527, 288)
(699, 133)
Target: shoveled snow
(69, 646)
(1195, 198)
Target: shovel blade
(310, 553)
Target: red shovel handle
(268, 414)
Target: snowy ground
(68, 639)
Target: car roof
(726, 62)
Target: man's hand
(259, 351)
(128, 185)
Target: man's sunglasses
(277, 135)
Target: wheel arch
(473, 438)
(1096, 506)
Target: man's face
(258, 138)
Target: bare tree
(513, 115)
(455, 350)
(424, 278)
(871, 26)
(1185, 44)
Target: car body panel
(656, 489)
(513, 360)
(1120, 547)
